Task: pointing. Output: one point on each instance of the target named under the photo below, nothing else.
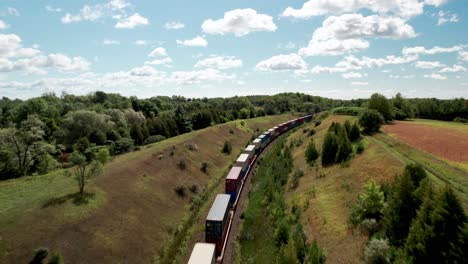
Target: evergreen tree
(311, 153)
(344, 145)
(315, 254)
(329, 149)
(354, 133)
(287, 254)
(382, 105)
(369, 205)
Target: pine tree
(400, 210)
(311, 153)
(345, 149)
(354, 134)
(329, 149)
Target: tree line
(411, 221)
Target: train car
(250, 149)
(203, 253)
(308, 118)
(300, 121)
(243, 161)
(283, 127)
(217, 222)
(292, 124)
(258, 145)
(233, 182)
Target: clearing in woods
(130, 210)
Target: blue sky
(339, 49)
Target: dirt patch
(447, 143)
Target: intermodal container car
(243, 161)
(203, 253)
(233, 183)
(217, 222)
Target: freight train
(219, 219)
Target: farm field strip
(439, 170)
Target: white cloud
(54, 10)
(173, 25)
(3, 25)
(110, 42)
(429, 64)
(350, 63)
(454, 68)
(158, 52)
(164, 61)
(239, 22)
(435, 3)
(14, 57)
(140, 42)
(13, 11)
(435, 76)
(282, 63)
(435, 50)
(345, 33)
(445, 17)
(132, 21)
(353, 75)
(463, 55)
(219, 62)
(360, 83)
(195, 42)
(193, 77)
(403, 8)
(116, 9)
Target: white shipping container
(203, 253)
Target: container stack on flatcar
(203, 253)
(220, 215)
(233, 183)
(217, 222)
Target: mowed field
(447, 140)
(130, 211)
(326, 195)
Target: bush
(315, 254)
(103, 155)
(312, 132)
(460, 119)
(369, 226)
(347, 110)
(371, 120)
(47, 163)
(39, 255)
(317, 123)
(311, 153)
(231, 131)
(181, 164)
(56, 259)
(360, 148)
(282, 233)
(354, 134)
(377, 251)
(193, 188)
(154, 139)
(295, 178)
(123, 145)
(227, 148)
(181, 191)
(204, 167)
(329, 149)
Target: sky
(332, 48)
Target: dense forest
(39, 134)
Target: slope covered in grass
(130, 210)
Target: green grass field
(131, 210)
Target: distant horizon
(334, 49)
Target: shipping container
(217, 222)
(233, 183)
(243, 161)
(258, 145)
(308, 118)
(203, 253)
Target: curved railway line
(223, 219)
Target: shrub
(47, 163)
(311, 132)
(360, 147)
(345, 148)
(305, 130)
(369, 226)
(231, 131)
(377, 251)
(181, 191)
(329, 149)
(371, 120)
(181, 164)
(295, 178)
(282, 233)
(103, 155)
(191, 147)
(56, 259)
(354, 134)
(370, 204)
(347, 110)
(317, 123)
(194, 188)
(204, 167)
(460, 119)
(123, 145)
(154, 139)
(315, 254)
(227, 148)
(311, 153)
(39, 255)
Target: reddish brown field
(444, 142)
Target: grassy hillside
(325, 195)
(130, 211)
